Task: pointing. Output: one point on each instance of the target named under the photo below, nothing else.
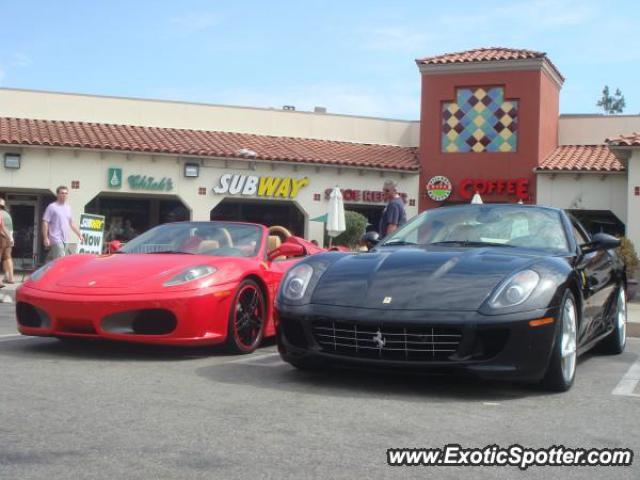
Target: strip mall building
(489, 123)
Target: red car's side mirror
(287, 250)
(113, 246)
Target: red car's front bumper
(200, 316)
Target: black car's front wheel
(562, 367)
(247, 318)
(617, 339)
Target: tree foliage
(355, 224)
(611, 104)
(629, 256)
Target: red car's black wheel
(247, 318)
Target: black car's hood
(434, 278)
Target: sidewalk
(633, 318)
(8, 293)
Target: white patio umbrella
(476, 198)
(335, 215)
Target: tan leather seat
(207, 245)
(273, 242)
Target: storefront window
(597, 221)
(371, 212)
(172, 211)
(26, 212)
(265, 212)
(128, 217)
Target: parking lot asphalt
(102, 410)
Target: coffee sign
(252, 185)
(497, 186)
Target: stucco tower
(488, 117)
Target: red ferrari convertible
(187, 283)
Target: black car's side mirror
(370, 239)
(600, 241)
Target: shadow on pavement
(97, 349)
(343, 382)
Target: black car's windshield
(199, 238)
(485, 225)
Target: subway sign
(252, 185)
(92, 230)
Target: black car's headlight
(515, 290)
(299, 282)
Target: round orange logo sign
(439, 188)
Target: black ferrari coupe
(501, 291)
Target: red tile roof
(482, 55)
(632, 140)
(128, 138)
(596, 158)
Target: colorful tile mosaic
(480, 120)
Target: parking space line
(629, 382)
(255, 359)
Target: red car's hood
(124, 271)
(133, 273)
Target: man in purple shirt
(56, 221)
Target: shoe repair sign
(92, 230)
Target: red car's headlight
(39, 273)
(193, 273)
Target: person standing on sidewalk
(394, 215)
(6, 242)
(56, 221)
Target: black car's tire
(247, 318)
(615, 342)
(562, 366)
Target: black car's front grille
(414, 343)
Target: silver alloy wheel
(568, 340)
(621, 317)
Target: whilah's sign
(250, 185)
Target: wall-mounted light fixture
(12, 160)
(191, 170)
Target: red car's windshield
(218, 239)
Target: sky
(352, 57)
